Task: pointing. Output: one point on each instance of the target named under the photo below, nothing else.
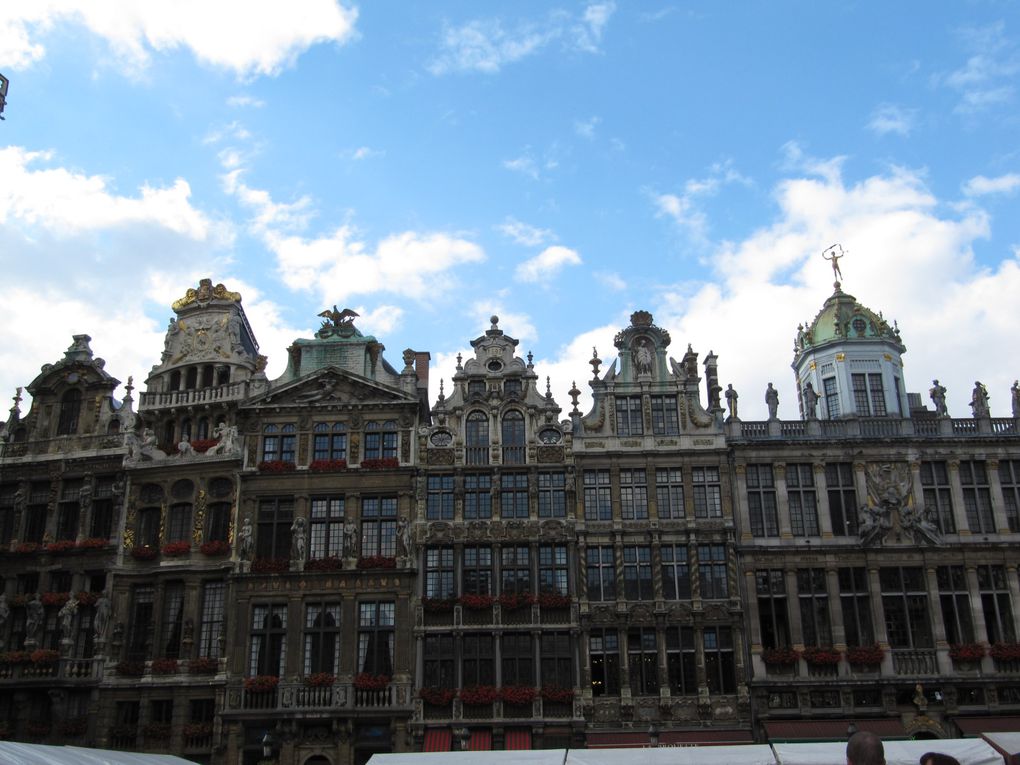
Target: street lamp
(851, 729)
(269, 744)
(653, 734)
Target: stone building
(339, 562)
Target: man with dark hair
(935, 758)
(865, 748)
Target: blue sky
(559, 165)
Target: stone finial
(531, 362)
(595, 362)
(574, 393)
(460, 365)
(548, 389)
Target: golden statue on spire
(833, 257)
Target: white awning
(15, 753)
(972, 751)
(745, 754)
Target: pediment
(331, 387)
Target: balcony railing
(914, 661)
(873, 427)
(297, 696)
(63, 669)
(496, 615)
(229, 392)
(538, 709)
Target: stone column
(878, 618)
(835, 608)
(782, 501)
(822, 500)
(1013, 582)
(956, 491)
(945, 664)
(998, 500)
(743, 514)
(793, 608)
(976, 611)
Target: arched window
(330, 441)
(175, 380)
(70, 407)
(192, 378)
(476, 439)
(222, 376)
(512, 434)
(207, 376)
(186, 429)
(203, 428)
(381, 440)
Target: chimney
(421, 367)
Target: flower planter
(144, 552)
(513, 602)
(203, 666)
(332, 563)
(164, 666)
(176, 549)
(54, 598)
(473, 602)
(61, 547)
(437, 697)
(866, 658)
(478, 695)
(130, 668)
(45, 656)
(327, 466)
(93, 543)
(270, 565)
(438, 605)
(385, 463)
(215, 547)
(377, 561)
(966, 652)
(366, 681)
(276, 466)
(261, 683)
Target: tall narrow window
(628, 416)
(102, 508)
(643, 661)
(680, 661)
(707, 492)
(477, 496)
(905, 603)
(955, 601)
(720, 669)
(633, 495)
(518, 658)
(712, 568)
(381, 440)
(512, 437)
(869, 395)
(637, 573)
(552, 495)
(178, 522)
(1009, 477)
(513, 495)
(375, 638)
(995, 604)
(140, 625)
(601, 573)
(173, 619)
(268, 639)
(676, 575)
(597, 501)
(478, 661)
(761, 501)
(664, 416)
(557, 659)
(270, 443)
(69, 509)
(439, 662)
(326, 528)
(330, 441)
(476, 439)
(439, 504)
(275, 518)
(322, 638)
(70, 408)
(379, 526)
(800, 495)
(977, 500)
(439, 572)
(839, 476)
(477, 571)
(604, 655)
(552, 569)
(515, 570)
(669, 492)
(773, 618)
(938, 496)
(831, 397)
(211, 628)
(855, 602)
(813, 593)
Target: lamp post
(653, 734)
(851, 729)
(269, 746)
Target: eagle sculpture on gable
(337, 318)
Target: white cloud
(524, 164)
(586, 128)
(611, 280)
(244, 101)
(683, 208)
(547, 264)
(980, 185)
(248, 39)
(487, 45)
(366, 152)
(522, 233)
(889, 118)
(987, 78)
(518, 325)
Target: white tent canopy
(745, 754)
(514, 757)
(972, 751)
(14, 753)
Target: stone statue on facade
(810, 402)
(228, 439)
(350, 539)
(938, 397)
(298, 540)
(404, 538)
(1015, 398)
(246, 539)
(66, 616)
(979, 400)
(184, 448)
(731, 401)
(643, 356)
(35, 617)
(921, 525)
(772, 402)
(145, 448)
(5, 614)
(101, 620)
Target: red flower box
(865, 655)
(63, 546)
(202, 445)
(517, 695)
(332, 563)
(439, 697)
(366, 681)
(176, 549)
(93, 543)
(967, 652)
(164, 666)
(478, 695)
(557, 695)
(276, 466)
(144, 552)
(45, 656)
(511, 601)
(15, 657)
(197, 730)
(380, 464)
(261, 683)
(821, 656)
(26, 548)
(87, 598)
(553, 600)
(156, 730)
(320, 680)
(780, 657)
(130, 668)
(377, 561)
(476, 602)
(215, 547)
(203, 665)
(54, 598)
(438, 605)
(1005, 651)
(327, 466)
(270, 565)
(20, 600)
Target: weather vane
(833, 257)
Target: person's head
(935, 758)
(865, 748)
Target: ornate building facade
(332, 564)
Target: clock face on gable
(441, 438)
(549, 436)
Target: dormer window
(513, 438)
(512, 387)
(476, 439)
(70, 408)
(476, 388)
